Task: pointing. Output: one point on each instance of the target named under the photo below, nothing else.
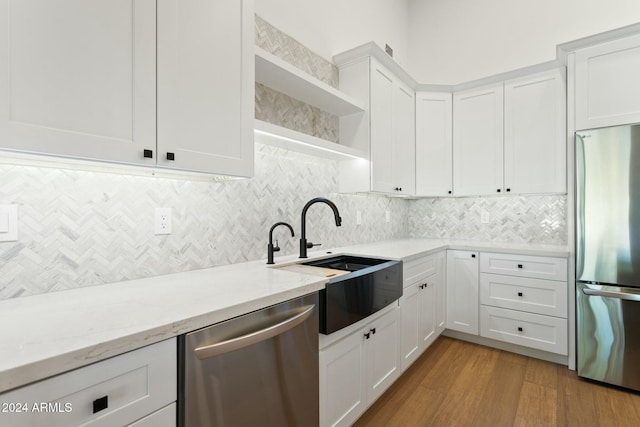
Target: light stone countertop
(44, 335)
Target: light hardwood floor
(455, 383)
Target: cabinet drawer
(524, 266)
(113, 392)
(530, 330)
(548, 297)
(418, 268)
(165, 417)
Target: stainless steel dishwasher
(260, 369)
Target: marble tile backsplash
(519, 219)
(79, 228)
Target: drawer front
(524, 266)
(530, 330)
(116, 391)
(547, 297)
(418, 268)
(165, 417)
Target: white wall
(329, 27)
(455, 41)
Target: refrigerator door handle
(611, 294)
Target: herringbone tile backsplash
(79, 228)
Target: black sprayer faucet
(303, 238)
(270, 248)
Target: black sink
(369, 286)
(346, 263)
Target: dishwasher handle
(611, 294)
(227, 346)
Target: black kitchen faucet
(303, 234)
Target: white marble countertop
(47, 334)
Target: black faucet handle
(276, 248)
(310, 245)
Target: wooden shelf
(278, 136)
(283, 77)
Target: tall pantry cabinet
(84, 80)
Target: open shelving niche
(283, 77)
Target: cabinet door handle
(148, 154)
(520, 266)
(498, 190)
(367, 335)
(520, 329)
(520, 294)
(171, 156)
(373, 331)
(473, 255)
(449, 191)
(508, 190)
(100, 404)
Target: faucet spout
(303, 227)
(270, 248)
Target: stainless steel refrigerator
(608, 254)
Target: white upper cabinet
(78, 78)
(404, 148)
(84, 80)
(477, 141)
(206, 85)
(535, 149)
(607, 84)
(434, 144)
(510, 138)
(386, 130)
(392, 132)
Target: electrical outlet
(484, 217)
(387, 216)
(358, 217)
(163, 221)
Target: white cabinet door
(434, 144)
(78, 78)
(342, 381)
(383, 353)
(381, 111)
(404, 141)
(427, 318)
(535, 148)
(607, 79)
(206, 85)
(441, 292)
(477, 141)
(410, 338)
(462, 291)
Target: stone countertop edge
(48, 334)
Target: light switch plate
(8, 223)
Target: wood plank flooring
(455, 383)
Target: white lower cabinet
(462, 291)
(527, 329)
(524, 301)
(165, 417)
(358, 368)
(113, 392)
